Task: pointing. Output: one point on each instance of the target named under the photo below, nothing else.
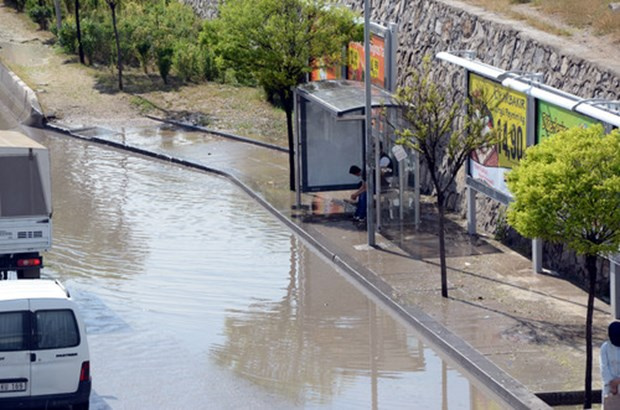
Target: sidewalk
(516, 331)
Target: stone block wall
(206, 9)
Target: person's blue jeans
(360, 211)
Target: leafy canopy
(567, 190)
(273, 41)
(432, 116)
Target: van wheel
(80, 406)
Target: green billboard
(551, 119)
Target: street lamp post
(370, 180)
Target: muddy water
(195, 297)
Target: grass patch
(539, 24)
(592, 15)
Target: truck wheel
(29, 273)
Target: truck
(25, 205)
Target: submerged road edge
(500, 383)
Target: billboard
(507, 115)
(356, 58)
(323, 69)
(551, 119)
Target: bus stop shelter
(330, 119)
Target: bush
(39, 12)
(187, 61)
(67, 36)
(230, 77)
(143, 49)
(209, 67)
(19, 5)
(93, 41)
(164, 54)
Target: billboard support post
(296, 147)
(471, 211)
(537, 255)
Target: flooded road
(195, 297)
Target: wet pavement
(196, 297)
(500, 316)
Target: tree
(79, 31)
(430, 114)
(567, 190)
(273, 41)
(40, 12)
(119, 61)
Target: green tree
(273, 41)
(40, 12)
(567, 190)
(430, 114)
(164, 53)
(119, 58)
(187, 61)
(79, 31)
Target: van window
(14, 331)
(55, 329)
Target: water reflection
(192, 291)
(320, 337)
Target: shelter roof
(344, 96)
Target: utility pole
(370, 178)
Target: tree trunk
(442, 246)
(58, 15)
(118, 48)
(591, 268)
(288, 108)
(79, 31)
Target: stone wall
(206, 9)
(430, 26)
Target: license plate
(12, 386)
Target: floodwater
(196, 297)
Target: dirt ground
(76, 95)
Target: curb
(24, 103)
(220, 133)
(500, 383)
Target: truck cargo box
(25, 196)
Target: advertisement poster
(355, 66)
(551, 119)
(505, 114)
(322, 71)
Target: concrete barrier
(20, 99)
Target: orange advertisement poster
(321, 71)
(355, 66)
(377, 61)
(355, 61)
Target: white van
(44, 360)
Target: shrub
(164, 54)
(93, 41)
(209, 67)
(67, 36)
(187, 61)
(39, 12)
